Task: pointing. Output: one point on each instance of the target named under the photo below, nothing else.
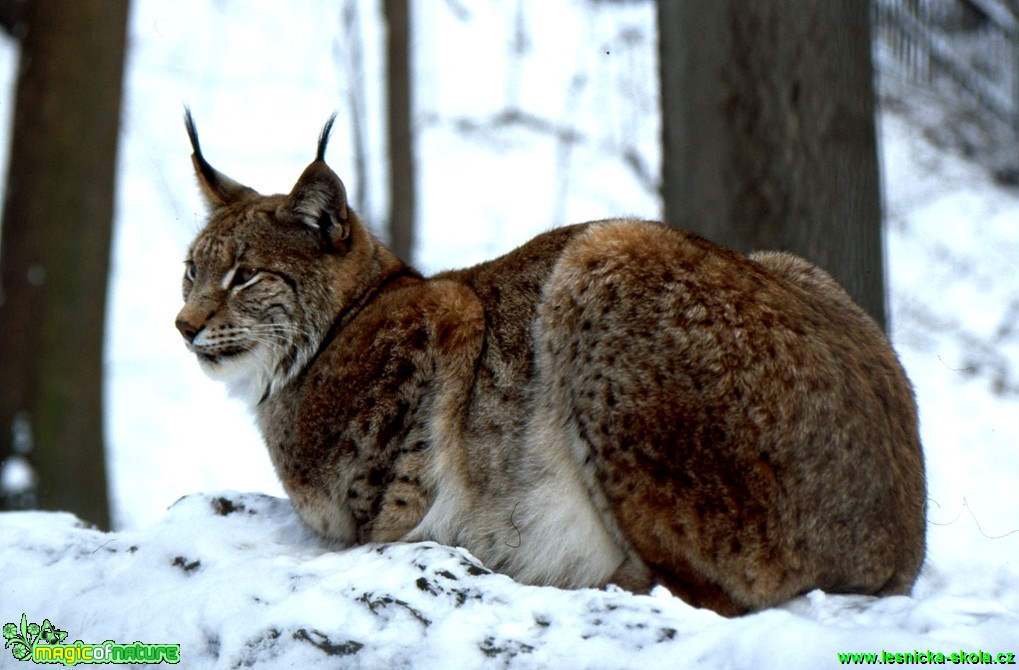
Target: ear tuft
(218, 189)
(323, 138)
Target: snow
(506, 149)
(16, 475)
(238, 581)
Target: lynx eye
(242, 276)
(189, 271)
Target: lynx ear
(218, 189)
(318, 199)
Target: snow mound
(238, 581)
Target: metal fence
(975, 43)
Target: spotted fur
(615, 401)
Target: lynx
(612, 402)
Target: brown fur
(613, 401)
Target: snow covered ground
(567, 132)
(237, 581)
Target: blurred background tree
(54, 252)
(400, 107)
(769, 139)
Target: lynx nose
(187, 330)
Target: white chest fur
(537, 524)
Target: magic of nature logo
(44, 643)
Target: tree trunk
(401, 136)
(54, 254)
(769, 132)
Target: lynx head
(269, 275)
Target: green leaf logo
(21, 640)
(51, 635)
